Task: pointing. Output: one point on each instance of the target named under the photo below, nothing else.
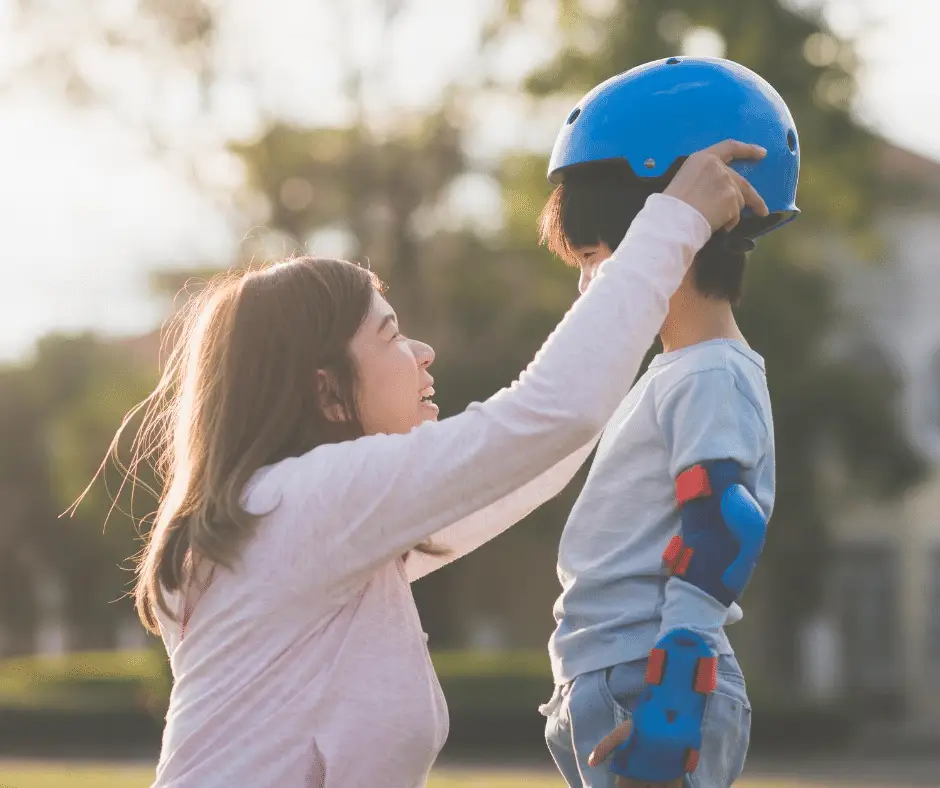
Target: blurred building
(881, 625)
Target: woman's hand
(708, 184)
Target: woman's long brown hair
(238, 393)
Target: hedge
(99, 681)
(120, 698)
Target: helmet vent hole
(672, 61)
(574, 115)
(791, 141)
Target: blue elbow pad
(722, 533)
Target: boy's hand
(606, 748)
(708, 184)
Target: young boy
(665, 535)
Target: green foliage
(63, 411)
(493, 683)
(375, 188)
(87, 681)
(462, 664)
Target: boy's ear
(328, 398)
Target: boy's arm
(714, 434)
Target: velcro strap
(677, 556)
(691, 484)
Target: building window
(868, 602)
(933, 606)
(933, 392)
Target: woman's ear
(330, 403)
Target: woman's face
(394, 386)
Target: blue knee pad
(666, 737)
(722, 533)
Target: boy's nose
(587, 274)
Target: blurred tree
(25, 507)
(73, 51)
(103, 529)
(74, 396)
(788, 310)
(369, 188)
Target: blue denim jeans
(585, 710)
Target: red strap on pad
(691, 484)
(673, 550)
(706, 675)
(656, 666)
(677, 556)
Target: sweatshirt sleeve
(350, 507)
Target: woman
(304, 475)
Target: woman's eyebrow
(389, 318)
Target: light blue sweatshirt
(705, 402)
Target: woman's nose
(423, 353)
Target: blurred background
(147, 142)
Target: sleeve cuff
(672, 208)
(688, 607)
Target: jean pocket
(621, 687)
(726, 733)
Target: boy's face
(589, 258)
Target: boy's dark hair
(597, 202)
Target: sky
(87, 208)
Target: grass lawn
(35, 774)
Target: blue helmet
(661, 111)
